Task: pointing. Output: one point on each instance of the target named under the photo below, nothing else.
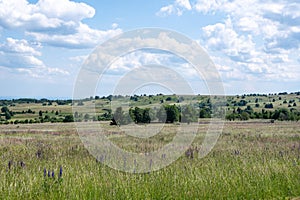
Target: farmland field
(252, 159)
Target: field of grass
(251, 160)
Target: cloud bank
(256, 40)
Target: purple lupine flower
(9, 164)
(60, 172)
(49, 174)
(22, 164)
(45, 172)
(52, 174)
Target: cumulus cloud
(222, 37)
(83, 37)
(177, 8)
(19, 54)
(58, 24)
(258, 38)
(23, 57)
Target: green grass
(251, 160)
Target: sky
(254, 44)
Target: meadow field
(252, 159)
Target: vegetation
(152, 108)
(250, 161)
(43, 159)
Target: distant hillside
(281, 106)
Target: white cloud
(207, 6)
(260, 39)
(58, 24)
(19, 46)
(65, 9)
(184, 3)
(83, 37)
(115, 25)
(78, 59)
(168, 10)
(177, 8)
(19, 54)
(43, 15)
(222, 37)
(22, 57)
(42, 72)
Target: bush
(269, 105)
(244, 116)
(120, 118)
(205, 113)
(172, 112)
(188, 114)
(139, 115)
(68, 118)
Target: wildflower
(189, 153)
(281, 153)
(60, 172)
(236, 152)
(52, 174)
(45, 172)
(49, 174)
(39, 153)
(9, 164)
(22, 164)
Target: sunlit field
(251, 160)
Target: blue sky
(254, 44)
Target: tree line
(165, 114)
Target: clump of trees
(7, 113)
(120, 117)
(282, 114)
(140, 115)
(165, 114)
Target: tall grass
(250, 161)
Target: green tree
(4, 109)
(205, 113)
(139, 115)
(284, 114)
(230, 117)
(121, 118)
(269, 105)
(7, 115)
(173, 113)
(161, 114)
(244, 116)
(68, 118)
(146, 115)
(86, 117)
(118, 115)
(188, 114)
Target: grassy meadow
(252, 159)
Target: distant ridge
(68, 98)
